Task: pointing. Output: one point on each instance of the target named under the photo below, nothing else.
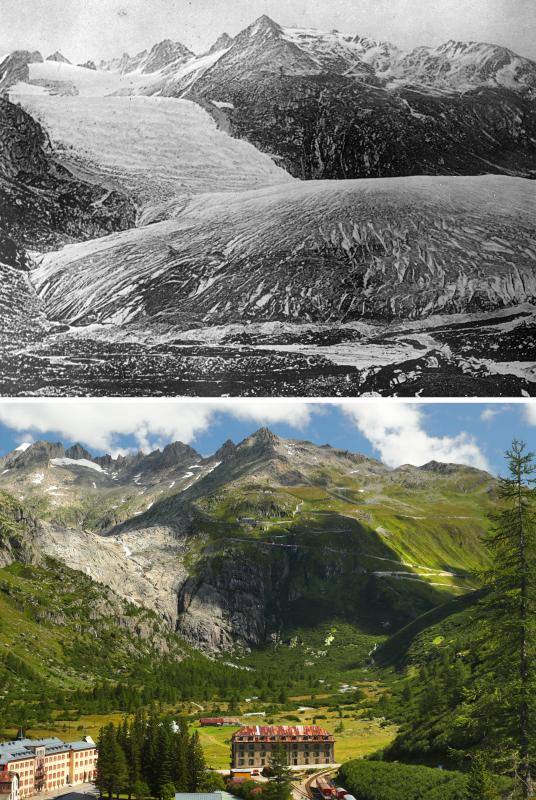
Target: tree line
(151, 755)
(474, 700)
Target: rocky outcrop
(14, 68)
(223, 42)
(42, 205)
(225, 607)
(76, 451)
(18, 530)
(59, 57)
(89, 65)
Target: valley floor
(359, 737)
(490, 355)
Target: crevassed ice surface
(155, 148)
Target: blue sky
(396, 432)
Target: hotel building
(33, 766)
(305, 745)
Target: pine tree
(279, 787)
(196, 764)
(480, 783)
(505, 694)
(180, 760)
(168, 791)
(111, 764)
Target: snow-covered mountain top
(148, 61)
(171, 68)
(76, 462)
(339, 52)
(463, 65)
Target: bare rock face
(225, 608)
(58, 57)
(14, 67)
(43, 205)
(17, 533)
(144, 566)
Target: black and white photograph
(271, 197)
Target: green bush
(375, 780)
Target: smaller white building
(9, 786)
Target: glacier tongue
(156, 149)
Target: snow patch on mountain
(23, 447)
(76, 462)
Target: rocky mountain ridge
(261, 537)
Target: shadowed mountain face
(43, 205)
(262, 537)
(336, 106)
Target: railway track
(307, 791)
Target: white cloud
(152, 424)
(396, 431)
(490, 412)
(267, 412)
(529, 410)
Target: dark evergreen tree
(196, 764)
(481, 784)
(111, 764)
(279, 787)
(505, 692)
(180, 762)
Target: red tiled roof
(281, 731)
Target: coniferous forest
(152, 755)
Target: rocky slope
(43, 204)
(335, 106)
(51, 617)
(263, 537)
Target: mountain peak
(262, 438)
(77, 452)
(223, 42)
(39, 452)
(227, 449)
(59, 57)
(264, 25)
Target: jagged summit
(89, 65)
(164, 53)
(161, 55)
(77, 452)
(40, 452)
(224, 452)
(59, 57)
(262, 437)
(223, 42)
